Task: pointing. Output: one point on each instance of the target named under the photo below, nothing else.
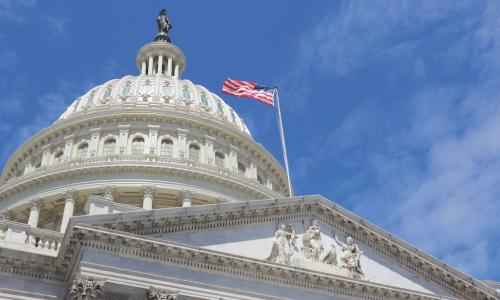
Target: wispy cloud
(12, 10)
(430, 170)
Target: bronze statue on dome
(164, 26)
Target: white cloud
(433, 175)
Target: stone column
(109, 192)
(169, 67)
(160, 64)
(69, 207)
(143, 68)
(147, 194)
(34, 205)
(176, 71)
(150, 66)
(186, 198)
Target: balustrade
(23, 237)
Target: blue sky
(391, 108)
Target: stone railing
(22, 237)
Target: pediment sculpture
(342, 258)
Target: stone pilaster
(123, 138)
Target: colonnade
(109, 193)
(156, 65)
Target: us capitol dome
(151, 140)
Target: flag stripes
(247, 89)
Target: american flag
(247, 89)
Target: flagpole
(283, 144)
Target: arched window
(82, 150)
(109, 146)
(126, 89)
(58, 156)
(259, 179)
(138, 146)
(203, 100)
(166, 89)
(219, 159)
(186, 94)
(166, 148)
(194, 152)
(241, 168)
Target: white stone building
(151, 187)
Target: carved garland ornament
(82, 289)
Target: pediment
(303, 233)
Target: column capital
(82, 288)
(70, 195)
(185, 195)
(6, 215)
(148, 190)
(35, 203)
(156, 293)
(109, 192)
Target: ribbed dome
(164, 90)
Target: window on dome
(220, 109)
(146, 88)
(194, 152)
(58, 156)
(166, 89)
(109, 146)
(185, 93)
(126, 89)
(241, 168)
(219, 159)
(138, 146)
(108, 92)
(82, 150)
(166, 148)
(204, 100)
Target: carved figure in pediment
(283, 245)
(350, 257)
(312, 244)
